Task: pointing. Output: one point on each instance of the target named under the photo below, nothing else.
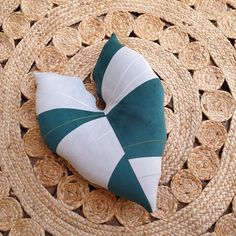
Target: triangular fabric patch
(148, 172)
(124, 182)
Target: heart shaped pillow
(119, 148)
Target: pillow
(119, 148)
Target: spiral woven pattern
(10, 212)
(72, 191)
(49, 172)
(191, 45)
(26, 227)
(130, 213)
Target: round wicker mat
(191, 45)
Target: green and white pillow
(119, 148)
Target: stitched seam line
(71, 121)
(144, 142)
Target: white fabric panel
(57, 91)
(148, 172)
(125, 72)
(146, 165)
(150, 185)
(93, 149)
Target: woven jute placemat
(191, 45)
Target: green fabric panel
(109, 49)
(57, 123)
(124, 182)
(139, 120)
